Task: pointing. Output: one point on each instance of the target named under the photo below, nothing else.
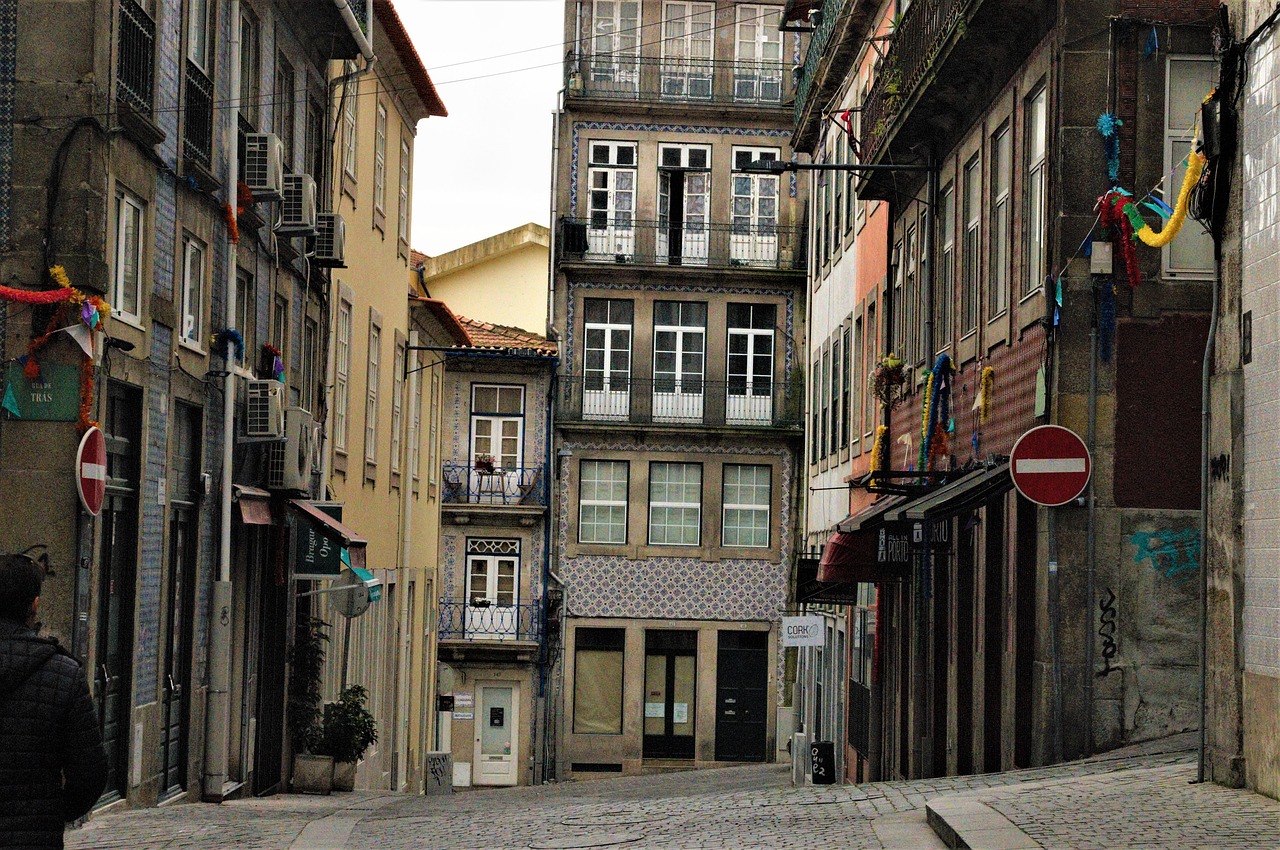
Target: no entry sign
(1050, 465)
(91, 470)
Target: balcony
(946, 61)
(624, 241)
(483, 620)
(136, 74)
(647, 79)
(618, 398)
(838, 36)
(197, 127)
(465, 484)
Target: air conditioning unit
(290, 462)
(263, 170)
(264, 414)
(331, 235)
(298, 211)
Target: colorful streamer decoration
(879, 452)
(935, 412)
(986, 384)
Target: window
(250, 66)
(747, 496)
(341, 375)
(611, 201)
(397, 406)
(198, 30)
(815, 394)
(1001, 184)
(1189, 79)
(838, 181)
(310, 350)
(1037, 147)
(246, 308)
(675, 504)
(350, 106)
(859, 357)
(126, 289)
(371, 396)
(873, 333)
(597, 680)
(615, 46)
(286, 105)
(316, 154)
(679, 346)
(688, 39)
(947, 272)
(972, 248)
(415, 421)
(433, 444)
(750, 362)
(602, 501)
(402, 226)
(754, 238)
(684, 195)
(757, 69)
(497, 425)
(280, 327)
(911, 300)
(606, 363)
(846, 371)
(493, 581)
(898, 304)
(380, 160)
(825, 399)
(837, 380)
(192, 325)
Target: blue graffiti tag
(1174, 554)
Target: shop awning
(809, 589)
(312, 556)
(255, 504)
(370, 580)
(858, 550)
(964, 494)
(869, 515)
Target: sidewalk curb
(963, 822)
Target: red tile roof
(489, 335)
(409, 58)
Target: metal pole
(1090, 548)
(1206, 371)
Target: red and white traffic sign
(91, 470)
(1050, 465)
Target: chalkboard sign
(497, 716)
(822, 762)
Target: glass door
(679, 334)
(491, 597)
(687, 44)
(754, 238)
(606, 389)
(750, 364)
(497, 746)
(615, 47)
(670, 694)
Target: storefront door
(497, 734)
(742, 679)
(670, 687)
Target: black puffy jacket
(52, 765)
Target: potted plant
(348, 730)
(312, 771)
(887, 380)
(484, 463)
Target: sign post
(91, 470)
(1050, 465)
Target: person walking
(53, 767)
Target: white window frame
(754, 404)
(1179, 131)
(496, 420)
(124, 291)
(310, 349)
(342, 375)
(615, 45)
(402, 225)
(200, 34)
(1037, 118)
(753, 239)
(380, 160)
(688, 45)
(1001, 217)
(757, 69)
(415, 423)
(944, 304)
(734, 540)
(397, 406)
(374, 354)
(250, 66)
(611, 226)
(433, 446)
(613, 467)
(350, 127)
(696, 214)
(678, 395)
(670, 504)
(971, 277)
(191, 329)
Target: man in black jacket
(52, 765)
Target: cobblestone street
(1133, 799)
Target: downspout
(218, 714)
(357, 31)
(540, 772)
(1206, 371)
(408, 435)
(552, 333)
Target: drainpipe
(406, 510)
(357, 32)
(552, 333)
(218, 714)
(1205, 372)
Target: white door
(754, 240)
(615, 47)
(687, 43)
(491, 597)
(497, 444)
(684, 193)
(606, 389)
(758, 66)
(611, 233)
(679, 348)
(750, 364)
(497, 745)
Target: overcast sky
(487, 167)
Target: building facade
(1010, 634)
(677, 304)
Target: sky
(485, 168)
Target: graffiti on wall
(1173, 554)
(1107, 631)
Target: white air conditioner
(331, 236)
(291, 461)
(263, 170)
(264, 414)
(298, 211)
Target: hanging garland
(879, 451)
(1109, 127)
(233, 227)
(987, 384)
(230, 343)
(277, 361)
(936, 411)
(926, 413)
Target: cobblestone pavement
(738, 807)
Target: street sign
(91, 470)
(1050, 465)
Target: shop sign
(803, 631)
(315, 553)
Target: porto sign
(1050, 465)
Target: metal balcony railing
(685, 400)
(469, 484)
(197, 127)
(819, 40)
(486, 620)
(920, 35)
(618, 76)
(136, 68)
(719, 246)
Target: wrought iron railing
(755, 245)
(683, 400)
(617, 76)
(197, 127)
(486, 484)
(485, 620)
(920, 35)
(136, 65)
(818, 42)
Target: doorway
(670, 686)
(497, 746)
(742, 681)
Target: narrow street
(1136, 798)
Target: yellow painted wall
(510, 289)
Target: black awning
(869, 515)
(963, 494)
(809, 589)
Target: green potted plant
(348, 730)
(312, 770)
